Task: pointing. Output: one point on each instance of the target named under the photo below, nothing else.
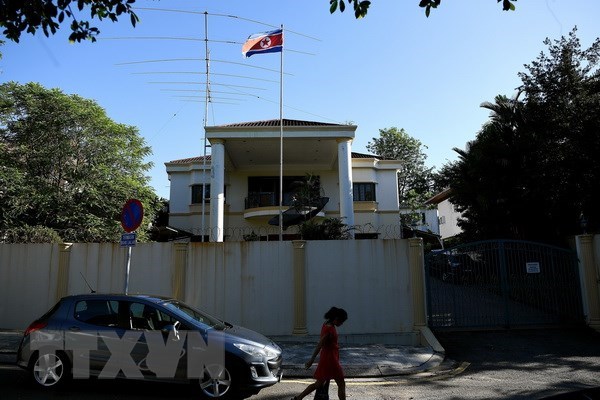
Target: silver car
(147, 338)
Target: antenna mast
(206, 101)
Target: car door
(94, 325)
(156, 354)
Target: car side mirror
(171, 332)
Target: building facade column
(217, 190)
(416, 260)
(345, 179)
(299, 274)
(590, 279)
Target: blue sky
(394, 68)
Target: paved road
(528, 364)
(517, 364)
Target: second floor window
(364, 191)
(263, 191)
(197, 195)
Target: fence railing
(503, 283)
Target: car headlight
(271, 352)
(256, 351)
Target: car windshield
(196, 315)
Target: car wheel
(49, 369)
(217, 382)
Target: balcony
(264, 204)
(260, 199)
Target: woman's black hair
(334, 313)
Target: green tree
(415, 179)
(562, 93)
(307, 193)
(361, 7)
(328, 229)
(532, 170)
(17, 16)
(66, 166)
(307, 199)
(492, 177)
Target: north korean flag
(265, 42)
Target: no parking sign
(132, 215)
(131, 219)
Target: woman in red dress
(329, 360)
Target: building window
(263, 191)
(197, 196)
(364, 191)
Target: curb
(374, 361)
(371, 370)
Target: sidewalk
(358, 361)
(365, 361)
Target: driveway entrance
(502, 284)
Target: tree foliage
(532, 171)
(17, 16)
(327, 229)
(66, 166)
(307, 192)
(361, 7)
(414, 177)
(306, 198)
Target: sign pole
(131, 218)
(127, 266)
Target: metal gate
(502, 283)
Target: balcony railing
(265, 199)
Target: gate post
(589, 279)
(417, 281)
(64, 261)
(178, 268)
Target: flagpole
(281, 140)
(206, 101)
(257, 44)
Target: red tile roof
(190, 160)
(363, 155)
(269, 123)
(275, 123)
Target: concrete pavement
(358, 360)
(365, 361)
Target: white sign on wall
(128, 239)
(532, 267)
